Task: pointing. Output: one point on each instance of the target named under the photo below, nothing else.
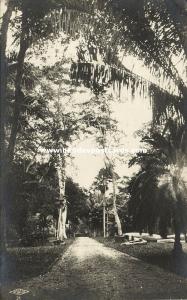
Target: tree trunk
(3, 83)
(61, 229)
(117, 220)
(19, 96)
(7, 155)
(177, 244)
(104, 215)
(177, 250)
(185, 237)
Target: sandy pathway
(90, 271)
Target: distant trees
(101, 195)
(99, 117)
(104, 182)
(95, 217)
(78, 204)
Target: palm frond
(153, 31)
(100, 77)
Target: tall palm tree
(159, 189)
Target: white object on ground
(18, 293)
(135, 242)
(168, 241)
(172, 236)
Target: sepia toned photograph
(93, 164)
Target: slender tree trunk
(176, 222)
(177, 244)
(177, 251)
(61, 229)
(3, 84)
(185, 237)
(104, 215)
(117, 220)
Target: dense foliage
(40, 110)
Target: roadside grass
(25, 263)
(153, 253)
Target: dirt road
(90, 271)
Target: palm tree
(103, 178)
(132, 27)
(158, 189)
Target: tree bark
(117, 220)
(177, 244)
(177, 250)
(61, 229)
(19, 96)
(104, 215)
(3, 84)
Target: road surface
(90, 271)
